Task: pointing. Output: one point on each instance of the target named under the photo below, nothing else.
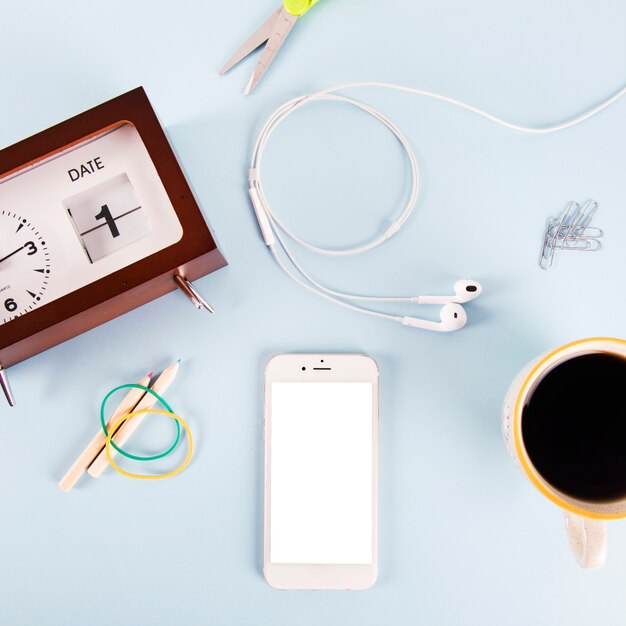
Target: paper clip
(585, 216)
(583, 244)
(590, 231)
(571, 232)
(547, 250)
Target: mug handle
(587, 539)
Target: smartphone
(321, 471)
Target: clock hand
(12, 253)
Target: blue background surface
(464, 538)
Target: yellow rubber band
(128, 416)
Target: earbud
(464, 291)
(452, 315)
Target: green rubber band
(161, 400)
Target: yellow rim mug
(584, 520)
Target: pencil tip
(179, 360)
(151, 374)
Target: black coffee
(574, 427)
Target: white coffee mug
(584, 520)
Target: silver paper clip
(571, 233)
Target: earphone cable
(330, 94)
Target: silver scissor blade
(258, 38)
(282, 27)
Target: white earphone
(274, 231)
(452, 316)
(464, 291)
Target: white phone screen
(321, 488)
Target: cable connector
(264, 223)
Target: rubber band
(114, 428)
(128, 416)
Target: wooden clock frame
(194, 255)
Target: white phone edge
(344, 368)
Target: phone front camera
(303, 369)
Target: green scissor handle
(298, 7)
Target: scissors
(274, 31)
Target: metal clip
(582, 244)
(571, 232)
(192, 293)
(4, 383)
(579, 228)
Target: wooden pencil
(100, 463)
(96, 445)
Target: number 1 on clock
(105, 214)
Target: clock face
(24, 266)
